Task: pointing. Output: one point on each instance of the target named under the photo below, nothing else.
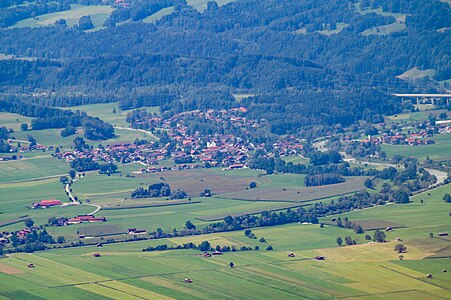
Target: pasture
(416, 73)
(201, 5)
(398, 25)
(105, 112)
(98, 13)
(159, 14)
(438, 151)
(32, 168)
(10, 120)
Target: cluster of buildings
(86, 219)
(46, 203)
(187, 139)
(412, 139)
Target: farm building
(85, 218)
(46, 203)
(443, 234)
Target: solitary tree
(189, 225)
(204, 246)
(400, 248)
(379, 236)
(24, 127)
(447, 198)
(29, 223)
(231, 264)
(72, 173)
(60, 239)
(339, 241)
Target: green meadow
(98, 14)
(439, 151)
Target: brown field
(445, 252)
(12, 221)
(300, 194)
(193, 182)
(9, 270)
(126, 205)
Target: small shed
(291, 254)
(443, 234)
(429, 276)
(206, 254)
(320, 258)
(31, 265)
(217, 253)
(187, 280)
(96, 254)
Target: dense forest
(190, 60)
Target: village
(188, 148)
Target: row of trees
(158, 190)
(323, 179)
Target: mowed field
(98, 14)
(31, 168)
(10, 120)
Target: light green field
(13, 121)
(15, 197)
(52, 137)
(104, 111)
(98, 13)
(340, 27)
(29, 168)
(398, 25)
(416, 73)
(438, 151)
(296, 160)
(423, 114)
(201, 5)
(159, 14)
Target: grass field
(29, 168)
(340, 27)
(416, 73)
(104, 111)
(438, 151)
(201, 5)
(279, 191)
(396, 26)
(10, 120)
(159, 14)
(98, 13)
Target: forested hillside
(306, 62)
